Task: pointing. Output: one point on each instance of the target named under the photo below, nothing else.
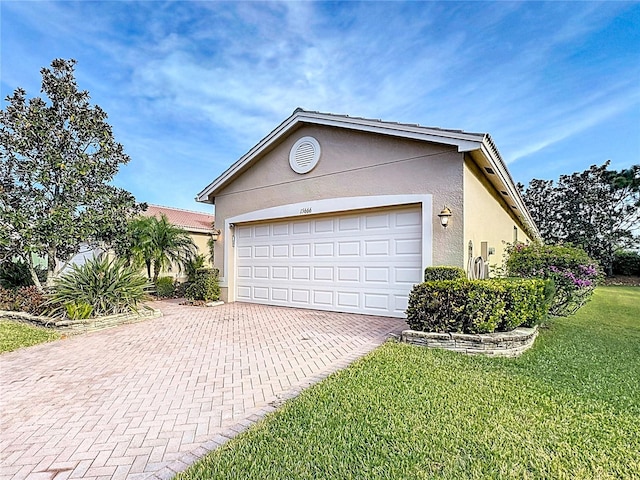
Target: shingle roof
(187, 219)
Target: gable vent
(304, 155)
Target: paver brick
(146, 400)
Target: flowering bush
(574, 274)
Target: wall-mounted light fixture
(215, 234)
(444, 215)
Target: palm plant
(158, 244)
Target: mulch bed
(628, 281)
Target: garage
(360, 262)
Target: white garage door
(361, 262)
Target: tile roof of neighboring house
(190, 221)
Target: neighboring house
(199, 225)
(338, 213)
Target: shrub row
(444, 273)
(477, 306)
(627, 263)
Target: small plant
(193, 265)
(165, 287)
(205, 286)
(108, 286)
(444, 273)
(78, 310)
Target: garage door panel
(323, 226)
(348, 249)
(280, 273)
(361, 263)
(279, 294)
(376, 247)
(373, 222)
(280, 251)
(323, 273)
(300, 228)
(300, 296)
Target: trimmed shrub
(205, 286)
(626, 263)
(573, 272)
(527, 302)
(476, 306)
(444, 273)
(108, 286)
(165, 287)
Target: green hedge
(477, 306)
(205, 286)
(627, 263)
(444, 273)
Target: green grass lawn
(568, 408)
(14, 335)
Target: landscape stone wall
(498, 344)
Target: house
(198, 225)
(338, 213)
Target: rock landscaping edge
(75, 327)
(497, 344)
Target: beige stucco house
(338, 213)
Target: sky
(191, 86)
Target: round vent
(304, 155)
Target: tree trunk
(51, 266)
(34, 275)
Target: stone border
(498, 344)
(75, 327)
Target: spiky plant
(109, 286)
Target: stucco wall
(200, 239)
(487, 218)
(353, 164)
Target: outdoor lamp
(444, 215)
(215, 234)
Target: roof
(480, 147)
(187, 219)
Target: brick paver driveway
(146, 400)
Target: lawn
(568, 408)
(14, 335)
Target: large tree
(58, 158)
(597, 209)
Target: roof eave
(503, 181)
(464, 141)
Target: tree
(598, 210)
(57, 161)
(157, 244)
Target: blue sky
(190, 86)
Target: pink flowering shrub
(574, 274)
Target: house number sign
(305, 210)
